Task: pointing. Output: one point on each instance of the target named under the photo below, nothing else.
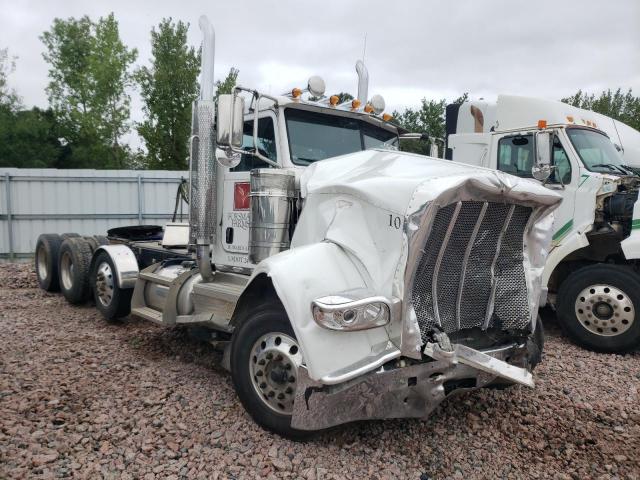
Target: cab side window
(266, 144)
(562, 172)
(515, 155)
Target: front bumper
(413, 391)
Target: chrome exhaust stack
(363, 82)
(202, 165)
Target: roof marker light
(368, 108)
(387, 117)
(355, 104)
(333, 100)
(542, 124)
(570, 119)
(296, 92)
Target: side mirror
(230, 121)
(227, 158)
(542, 168)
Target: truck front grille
(471, 271)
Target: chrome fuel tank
(273, 196)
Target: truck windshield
(315, 136)
(596, 151)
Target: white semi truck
(344, 279)
(592, 270)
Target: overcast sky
(414, 49)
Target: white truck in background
(592, 270)
(344, 280)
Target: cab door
(565, 180)
(236, 217)
(516, 155)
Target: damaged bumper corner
(413, 391)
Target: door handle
(228, 236)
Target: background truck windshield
(315, 136)
(596, 151)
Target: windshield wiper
(610, 166)
(633, 170)
(308, 161)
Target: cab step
(148, 314)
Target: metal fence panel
(88, 202)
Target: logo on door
(241, 192)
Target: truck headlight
(344, 313)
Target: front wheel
(265, 360)
(112, 301)
(598, 307)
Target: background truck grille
(471, 271)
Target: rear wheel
(46, 261)
(598, 307)
(112, 301)
(73, 269)
(265, 359)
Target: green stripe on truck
(565, 229)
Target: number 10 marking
(395, 222)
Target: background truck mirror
(541, 169)
(230, 121)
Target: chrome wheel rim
(66, 270)
(41, 263)
(104, 284)
(273, 364)
(605, 310)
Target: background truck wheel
(112, 301)
(265, 358)
(598, 308)
(73, 269)
(47, 250)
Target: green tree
(89, 75)
(227, 85)
(429, 119)
(624, 107)
(168, 89)
(8, 97)
(28, 139)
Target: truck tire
(537, 345)
(111, 301)
(265, 357)
(73, 269)
(101, 239)
(46, 261)
(69, 235)
(599, 307)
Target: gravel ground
(83, 398)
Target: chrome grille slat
(436, 270)
(465, 260)
(471, 269)
(489, 311)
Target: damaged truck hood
(390, 179)
(379, 206)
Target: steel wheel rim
(41, 263)
(273, 365)
(66, 271)
(104, 284)
(604, 310)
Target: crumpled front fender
(305, 273)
